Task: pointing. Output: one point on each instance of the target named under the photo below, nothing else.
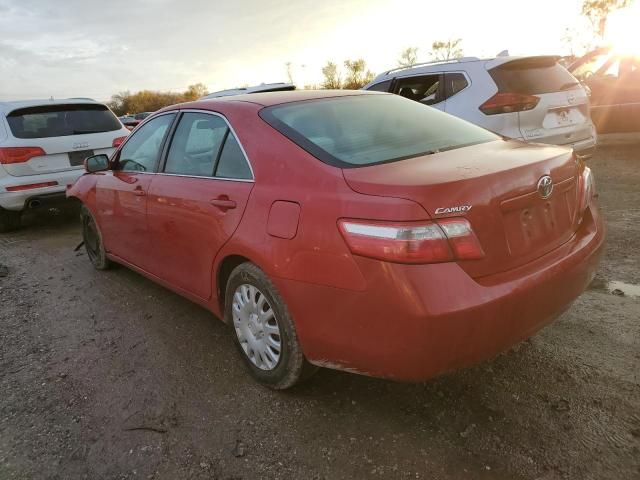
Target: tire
(276, 364)
(9, 220)
(93, 240)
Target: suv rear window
(61, 120)
(365, 130)
(532, 76)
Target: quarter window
(424, 89)
(233, 163)
(454, 83)
(141, 151)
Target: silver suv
(528, 98)
(43, 144)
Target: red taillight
(463, 241)
(509, 103)
(9, 155)
(118, 141)
(424, 242)
(30, 186)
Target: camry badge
(545, 186)
(80, 145)
(459, 209)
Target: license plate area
(536, 225)
(563, 117)
(76, 159)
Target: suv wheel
(9, 220)
(263, 329)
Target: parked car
(529, 98)
(262, 88)
(132, 121)
(614, 81)
(352, 230)
(43, 144)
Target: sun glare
(622, 30)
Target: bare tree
(408, 57)
(332, 78)
(288, 65)
(447, 50)
(357, 75)
(597, 12)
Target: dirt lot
(108, 376)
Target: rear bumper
(416, 321)
(18, 200)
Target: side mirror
(97, 163)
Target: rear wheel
(9, 220)
(263, 329)
(93, 240)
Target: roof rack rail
(433, 62)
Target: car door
(121, 194)
(427, 89)
(627, 94)
(197, 200)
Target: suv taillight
(118, 141)
(426, 242)
(509, 103)
(9, 155)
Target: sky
(91, 48)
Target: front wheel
(263, 329)
(93, 240)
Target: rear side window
(62, 120)
(532, 77)
(424, 89)
(204, 146)
(454, 83)
(364, 130)
(196, 144)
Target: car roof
(265, 87)
(268, 99)
(448, 65)
(7, 107)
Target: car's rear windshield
(61, 120)
(533, 77)
(365, 130)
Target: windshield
(62, 120)
(364, 130)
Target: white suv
(43, 144)
(528, 98)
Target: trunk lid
(499, 181)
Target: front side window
(142, 150)
(196, 144)
(424, 89)
(62, 120)
(362, 130)
(381, 87)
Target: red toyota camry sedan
(358, 231)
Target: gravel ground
(105, 375)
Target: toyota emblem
(545, 186)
